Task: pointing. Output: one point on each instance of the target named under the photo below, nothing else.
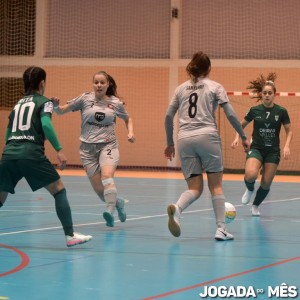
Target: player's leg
(110, 193)
(268, 174)
(192, 170)
(108, 160)
(3, 196)
(214, 180)
(41, 173)
(89, 155)
(93, 157)
(252, 168)
(9, 177)
(212, 161)
(97, 185)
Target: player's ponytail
(257, 85)
(199, 66)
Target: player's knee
(107, 182)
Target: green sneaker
(109, 218)
(120, 208)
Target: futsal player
(199, 143)
(268, 118)
(24, 152)
(99, 148)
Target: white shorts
(200, 153)
(95, 156)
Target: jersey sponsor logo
(99, 116)
(97, 124)
(22, 137)
(48, 107)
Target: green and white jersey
(266, 125)
(98, 118)
(196, 104)
(27, 138)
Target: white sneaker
(255, 211)
(223, 235)
(77, 239)
(247, 196)
(174, 219)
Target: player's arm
(169, 128)
(60, 109)
(129, 126)
(7, 134)
(236, 124)
(235, 143)
(289, 136)
(50, 134)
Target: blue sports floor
(140, 259)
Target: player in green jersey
(24, 153)
(264, 153)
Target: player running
(199, 144)
(99, 149)
(264, 152)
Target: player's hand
(170, 152)
(131, 138)
(62, 160)
(55, 101)
(235, 143)
(286, 152)
(246, 145)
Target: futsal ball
(230, 212)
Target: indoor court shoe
(120, 208)
(174, 219)
(223, 235)
(255, 211)
(77, 239)
(247, 197)
(109, 218)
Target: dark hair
(32, 78)
(199, 65)
(112, 89)
(260, 82)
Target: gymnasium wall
(145, 46)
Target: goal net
(145, 46)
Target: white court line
(134, 219)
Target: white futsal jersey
(196, 104)
(98, 118)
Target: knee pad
(108, 181)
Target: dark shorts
(266, 155)
(38, 173)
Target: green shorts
(38, 173)
(265, 155)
